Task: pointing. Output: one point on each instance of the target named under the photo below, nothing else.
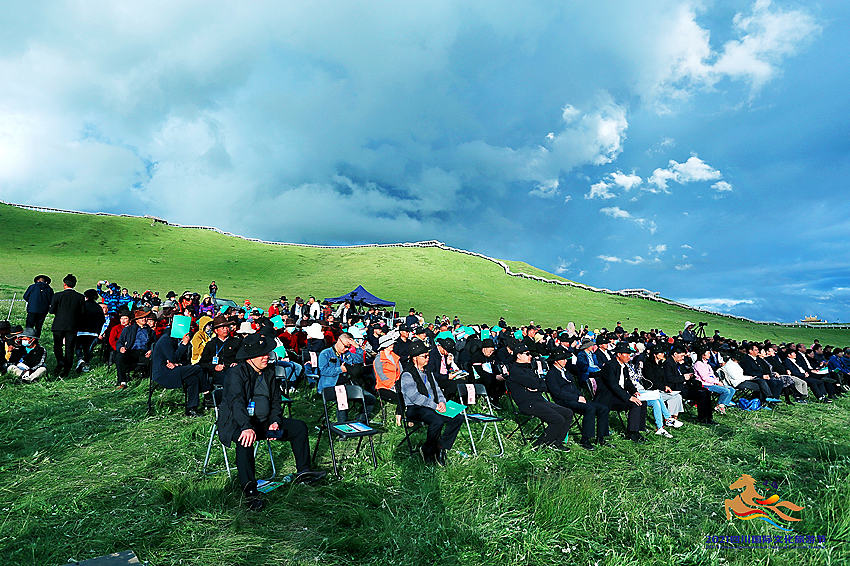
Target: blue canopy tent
(363, 297)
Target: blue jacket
(329, 365)
(38, 297)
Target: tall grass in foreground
(85, 472)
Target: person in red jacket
(115, 331)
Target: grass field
(85, 472)
(141, 256)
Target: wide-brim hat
(623, 348)
(219, 321)
(45, 277)
(447, 344)
(315, 331)
(586, 343)
(245, 328)
(417, 348)
(141, 313)
(520, 348)
(254, 346)
(559, 354)
(488, 343)
(387, 339)
(29, 333)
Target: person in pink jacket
(704, 373)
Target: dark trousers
(442, 430)
(557, 418)
(637, 414)
(294, 431)
(35, 320)
(702, 397)
(759, 386)
(495, 388)
(594, 421)
(817, 386)
(84, 346)
(127, 362)
(64, 357)
(193, 380)
(390, 396)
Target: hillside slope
(141, 255)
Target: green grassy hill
(142, 255)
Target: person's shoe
(193, 412)
(662, 432)
(586, 444)
(310, 477)
(122, 385)
(677, 423)
(802, 401)
(709, 422)
(426, 457)
(80, 364)
(602, 442)
(637, 437)
(560, 447)
(208, 402)
(440, 457)
(253, 497)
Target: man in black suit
(753, 369)
(817, 385)
(617, 392)
(526, 389)
(564, 392)
(67, 308)
(171, 368)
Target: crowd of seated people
(556, 375)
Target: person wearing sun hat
(220, 352)
(251, 410)
(617, 392)
(27, 360)
(561, 386)
(134, 346)
(425, 402)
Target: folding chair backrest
(352, 392)
(463, 390)
(279, 371)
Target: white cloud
(687, 247)
(610, 258)
(721, 186)
(683, 266)
(568, 198)
(546, 189)
(615, 212)
(660, 248)
(690, 171)
(600, 190)
(626, 181)
(635, 260)
(684, 61)
(716, 302)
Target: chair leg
(496, 428)
(209, 448)
(333, 453)
(374, 456)
(469, 430)
(316, 447)
(271, 461)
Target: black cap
(488, 343)
(520, 348)
(448, 345)
(559, 354)
(623, 348)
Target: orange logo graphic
(750, 504)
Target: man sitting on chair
(220, 352)
(526, 389)
(565, 393)
(425, 401)
(133, 346)
(170, 368)
(250, 411)
(618, 393)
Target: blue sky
(698, 149)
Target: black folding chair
(409, 426)
(217, 395)
(521, 420)
(348, 428)
(471, 395)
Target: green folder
(453, 409)
(485, 334)
(180, 326)
(281, 352)
(277, 321)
